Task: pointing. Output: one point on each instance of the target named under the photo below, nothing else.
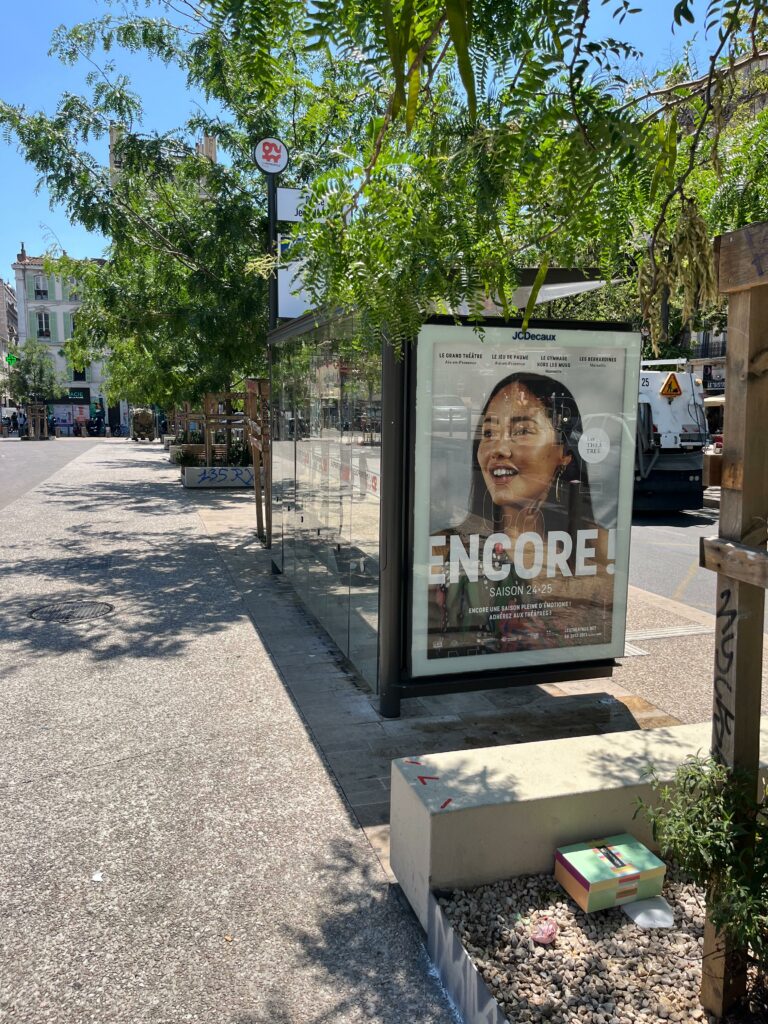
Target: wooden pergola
(180, 418)
(37, 421)
(220, 416)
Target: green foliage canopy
(444, 147)
(33, 378)
(548, 152)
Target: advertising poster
(524, 469)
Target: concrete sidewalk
(174, 846)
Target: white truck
(671, 435)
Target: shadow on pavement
(351, 948)
(152, 499)
(164, 594)
(696, 517)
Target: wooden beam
(736, 561)
(740, 604)
(743, 259)
(713, 469)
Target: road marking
(684, 583)
(424, 779)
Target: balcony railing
(709, 347)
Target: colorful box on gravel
(609, 872)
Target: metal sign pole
(271, 157)
(272, 241)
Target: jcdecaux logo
(532, 336)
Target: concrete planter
(217, 476)
(168, 440)
(462, 980)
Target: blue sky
(29, 76)
(33, 78)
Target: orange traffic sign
(671, 387)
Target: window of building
(78, 375)
(74, 288)
(41, 286)
(43, 325)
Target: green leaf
(413, 92)
(538, 282)
(459, 29)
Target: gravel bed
(602, 968)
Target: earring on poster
(558, 478)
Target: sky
(29, 76)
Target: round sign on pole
(271, 155)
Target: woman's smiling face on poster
(518, 452)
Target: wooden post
(743, 276)
(257, 420)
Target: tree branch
(379, 141)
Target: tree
(32, 378)
(179, 306)
(548, 154)
(445, 146)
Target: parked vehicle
(143, 424)
(672, 433)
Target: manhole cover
(71, 611)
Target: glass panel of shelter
(327, 436)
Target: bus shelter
(457, 515)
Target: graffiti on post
(723, 717)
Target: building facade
(47, 310)
(9, 335)
(707, 362)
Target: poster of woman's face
(524, 472)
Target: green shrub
(183, 458)
(711, 820)
(240, 454)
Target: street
(24, 464)
(664, 556)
